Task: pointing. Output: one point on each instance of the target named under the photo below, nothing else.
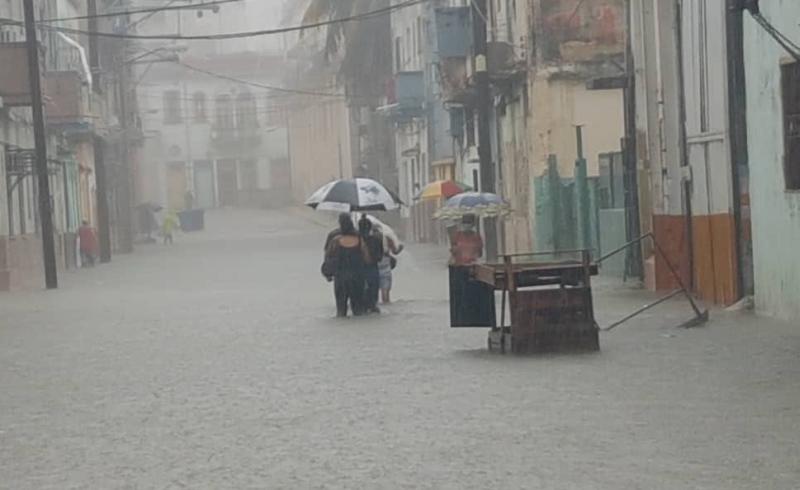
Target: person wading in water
(373, 240)
(345, 258)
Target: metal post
(582, 188)
(101, 179)
(484, 107)
(45, 206)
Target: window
(420, 35)
(469, 121)
(224, 112)
(199, 103)
(172, 107)
(398, 55)
(409, 49)
(415, 41)
(246, 111)
(790, 80)
(248, 169)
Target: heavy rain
(399, 244)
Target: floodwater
(217, 363)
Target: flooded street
(217, 363)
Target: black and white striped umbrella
(353, 195)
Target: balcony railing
(231, 135)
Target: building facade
(694, 187)
(773, 142)
(75, 116)
(214, 132)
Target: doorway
(204, 184)
(227, 183)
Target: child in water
(168, 227)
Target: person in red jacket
(88, 244)
(467, 245)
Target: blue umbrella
(481, 204)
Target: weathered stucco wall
(319, 146)
(775, 212)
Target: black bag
(392, 262)
(328, 268)
(329, 263)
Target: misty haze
(399, 244)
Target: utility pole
(125, 200)
(103, 226)
(484, 108)
(40, 141)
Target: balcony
(505, 61)
(229, 137)
(14, 82)
(453, 32)
(406, 96)
(67, 103)
(453, 53)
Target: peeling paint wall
(574, 27)
(776, 212)
(557, 107)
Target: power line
(274, 88)
(287, 91)
(140, 11)
(236, 35)
(258, 85)
(781, 38)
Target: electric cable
(233, 35)
(198, 6)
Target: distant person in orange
(88, 244)
(467, 245)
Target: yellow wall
(319, 146)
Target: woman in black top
(349, 255)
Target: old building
(75, 116)
(337, 125)
(693, 180)
(318, 120)
(214, 131)
(773, 143)
(423, 146)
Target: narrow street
(216, 363)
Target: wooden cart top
(530, 274)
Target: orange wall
(715, 263)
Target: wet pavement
(217, 363)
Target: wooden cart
(549, 304)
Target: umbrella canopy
(442, 189)
(481, 204)
(385, 229)
(349, 195)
